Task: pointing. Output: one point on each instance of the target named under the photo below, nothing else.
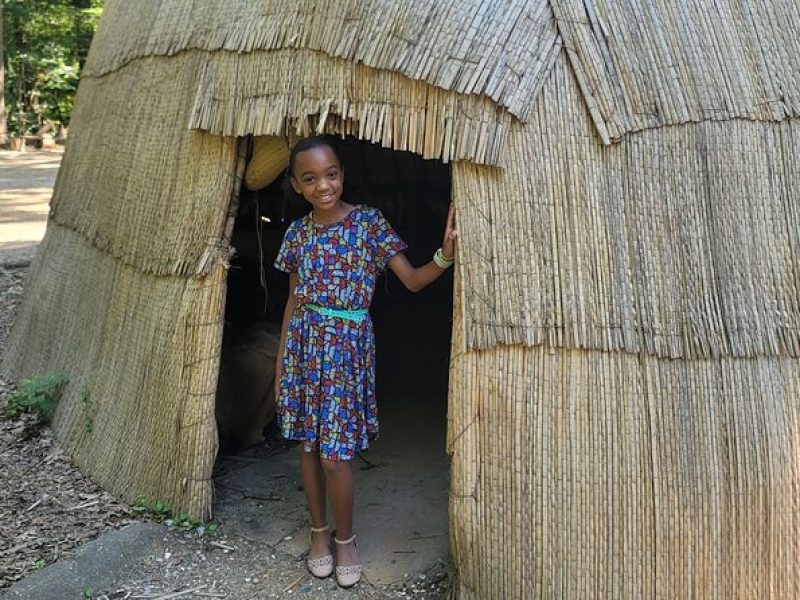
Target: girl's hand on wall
(450, 234)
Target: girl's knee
(333, 468)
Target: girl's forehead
(319, 158)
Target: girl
(325, 372)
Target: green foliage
(41, 563)
(46, 43)
(39, 395)
(161, 512)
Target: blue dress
(327, 386)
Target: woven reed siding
(256, 93)
(648, 64)
(497, 49)
(134, 180)
(680, 242)
(146, 348)
(588, 474)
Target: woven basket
(270, 158)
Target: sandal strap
(344, 542)
(319, 529)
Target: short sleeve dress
(327, 386)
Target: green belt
(357, 315)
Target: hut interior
(407, 467)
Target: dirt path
(26, 184)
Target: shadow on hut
(405, 474)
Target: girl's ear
(294, 185)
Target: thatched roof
(665, 62)
(438, 78)
(501, 50)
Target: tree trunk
(3, 124)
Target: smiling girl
(325, 372)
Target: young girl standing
(325, 372)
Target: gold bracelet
(441, 261)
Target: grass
(163, 513)
(38, 395)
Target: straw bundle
(270, 158)
(587, 462)
(661, 62)
(127, 293)
(589, 474)
(300, 92)
(680, 242)
(134, 170)
(146, 350)
(501, 49)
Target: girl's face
(318, 176)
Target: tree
(3, 125)
(46, 44)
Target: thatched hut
(624, 380)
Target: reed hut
(624, 381)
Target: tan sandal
(348, 575)
(323, 566)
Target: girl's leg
(314, 488)
(339, 479)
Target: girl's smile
(318, 176)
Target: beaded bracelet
(441, 261)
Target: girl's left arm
(417, 278)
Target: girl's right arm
(291, 302)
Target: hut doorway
(402, 482)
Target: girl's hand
(450, 234)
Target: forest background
(43, 46)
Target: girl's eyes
(331, 175)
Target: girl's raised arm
(417, 278)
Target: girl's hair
(315, 141)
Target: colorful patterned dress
(327, 386)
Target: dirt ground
(48, 509)
(26, 184)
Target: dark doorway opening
(402, 482)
